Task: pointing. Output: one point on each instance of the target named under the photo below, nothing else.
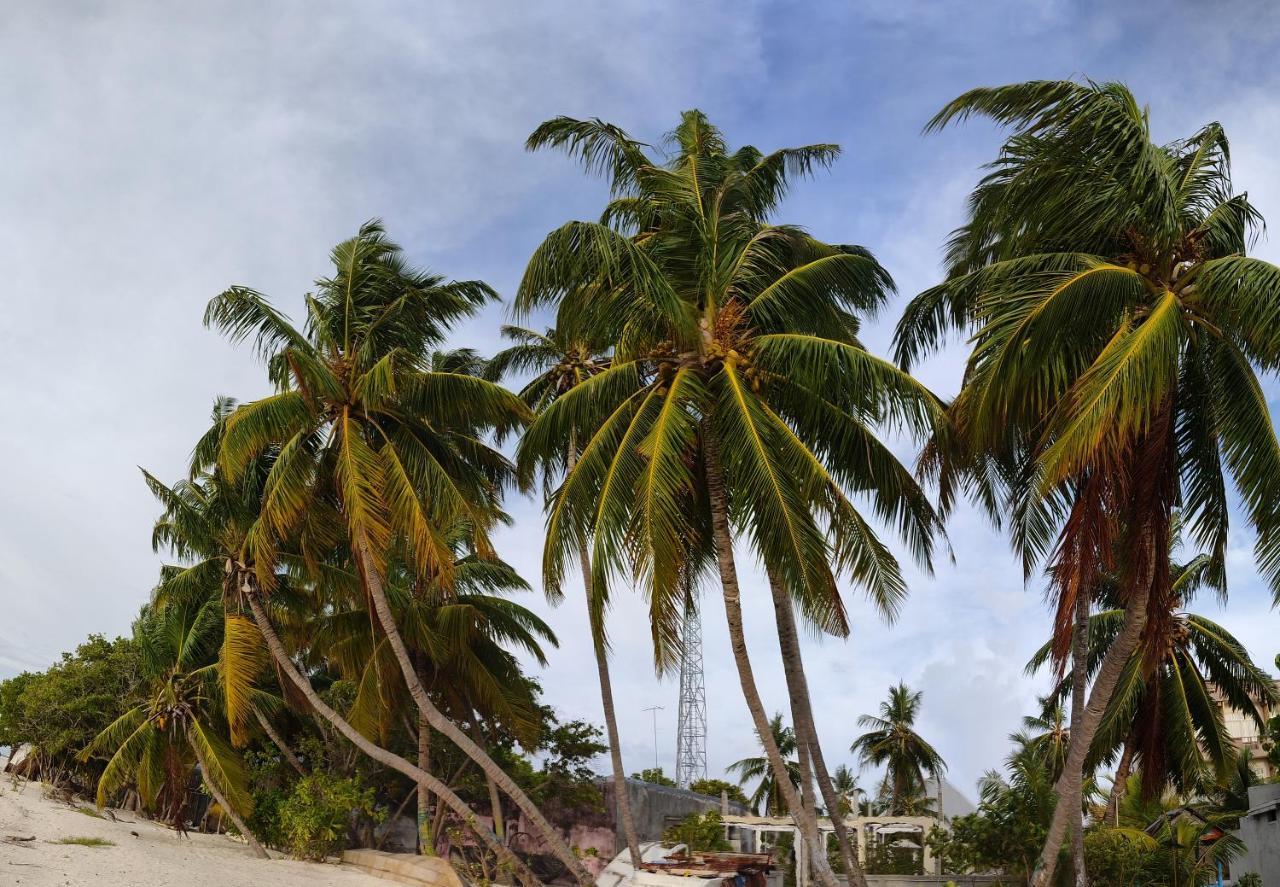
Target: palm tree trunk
(379, 754)
(426, 842)
(287, 753)
(805, 819)
(382, 606)
(806, 728)
(222, 802)
(495, 807)
(1121, 784)
(1069, 783)
(1079, 676)
(623, 801)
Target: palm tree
(1118, 327)
(853, 799)
(1046, 736)
(156, 744)
(459, 638)
(1164, 718)
(738, 397)
(559, 364)
(208, 524)
(767, 799)
(892, 742)
(373, 444)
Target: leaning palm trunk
(426, 842)
(804, 818)
(222, 802)
(1068, 787)
(379, 754)
(806, 729)
(287, 753)
(1079, 670)
(382, 606)
(1121, 784)
(606, 697)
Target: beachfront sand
(155, 857)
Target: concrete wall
(1260, 831)
(656, 807)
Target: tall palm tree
(208, 524)
(559, 364)
(1118, 328)
(892, 742)
(738, 397)
(767, 799)
(156, 744)
(374, 443)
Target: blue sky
(155, 154)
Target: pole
(654, 709)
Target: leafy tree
(654, 776)
(698, 831)
(60, 710)
(155, 745)
(738, 396)
(892, 742)
(374, 444)
(1118, 329)
(714, 787)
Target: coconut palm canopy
(892, 742)
(729, 326)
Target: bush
(315, 816)
(698, 832)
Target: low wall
(933, 880)
(403, 868)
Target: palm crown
(364, 426)
(1116, 319)
(726, 329)
(891, 741)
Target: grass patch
(89, 811)
(83, 841)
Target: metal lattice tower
(691, 730)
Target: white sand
(156, 857)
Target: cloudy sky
(153, 154)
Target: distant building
(1242, 729)
(1260, 831)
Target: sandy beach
(142, 854)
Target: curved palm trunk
(1121, 784)
(806, 728)
(426, 843)
(1069, 783)
(804, 818)
(379, 754)
(606, 699)
(222, 802)
(1079, 671)
(287, 753)
(382, 606)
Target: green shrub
(1250, 879)
(315, 816)
(698, 832)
